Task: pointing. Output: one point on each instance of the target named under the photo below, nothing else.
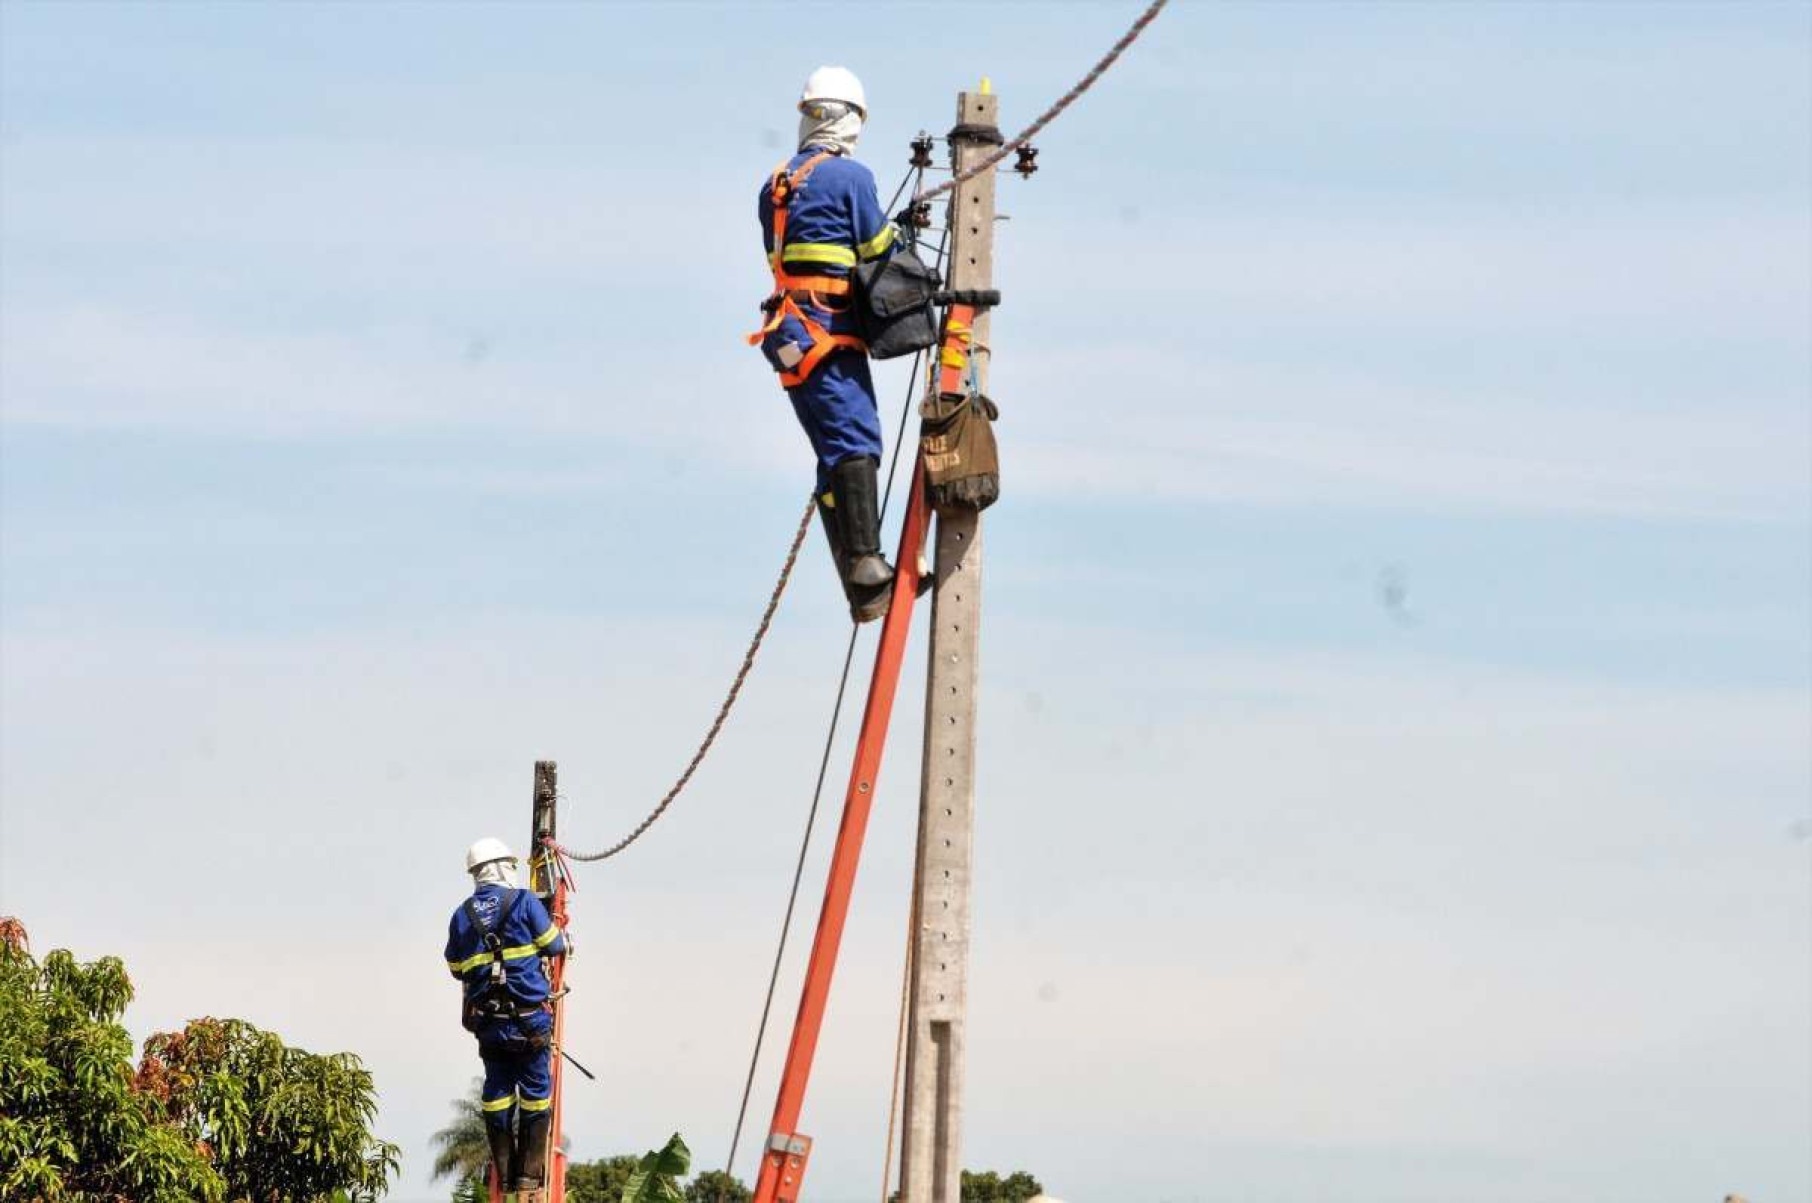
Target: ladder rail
(785, 1153)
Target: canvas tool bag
(962, 460)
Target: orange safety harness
(783, 302)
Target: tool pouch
(962, 460)
(787, 343)
(893, 308)
(475, 1014)
(519, 1045)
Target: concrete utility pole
(545, 880)
(931, 1155)
(546, 790)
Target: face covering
(830, 124)
(495, 873)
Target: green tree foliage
(283, 1123)
(215, 1112)
(471, 1189)
(461, 1149)
(989, 1187)
(715, 1186)
(72, 1125)
(657, 1175)
(600, 1181)
(651, 1178)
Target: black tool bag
(962, 460)
(894, 304)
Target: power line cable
(1049, 115)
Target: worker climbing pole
(501, 942)
(958, 472)
(550, 882)
(955, 420)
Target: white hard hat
(485, 851)
(834, 83)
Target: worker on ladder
(820, 217)
(495, 944)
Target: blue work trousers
(515, 1073)
(836, 408)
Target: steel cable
(723, 711)
(1049, 115)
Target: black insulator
(921, 151)
(1028, 161)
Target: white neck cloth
(495, 873)
(837, 133)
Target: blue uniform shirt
(834, 220)
(527, 935)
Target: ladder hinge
(792, 1146)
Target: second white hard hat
(484, 851)
(834, 83)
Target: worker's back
(834, 218)
(524, 934)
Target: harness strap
(780, 194)
(823, 344)
(830, 286)
(489, 936)
(781, 303)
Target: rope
(792, 900)
(1050, 114)
(723, 711)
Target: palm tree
(463, 1149)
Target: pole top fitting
(970, 131)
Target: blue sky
(374, 419)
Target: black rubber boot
(865, 604)
(858, 511)
(503, 1156)
(531, 1143)
(833, 534)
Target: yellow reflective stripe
(537, 1104)
(502, 1104)
(877, 244)
(515, 952)
(820, 252)
(547, 937)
